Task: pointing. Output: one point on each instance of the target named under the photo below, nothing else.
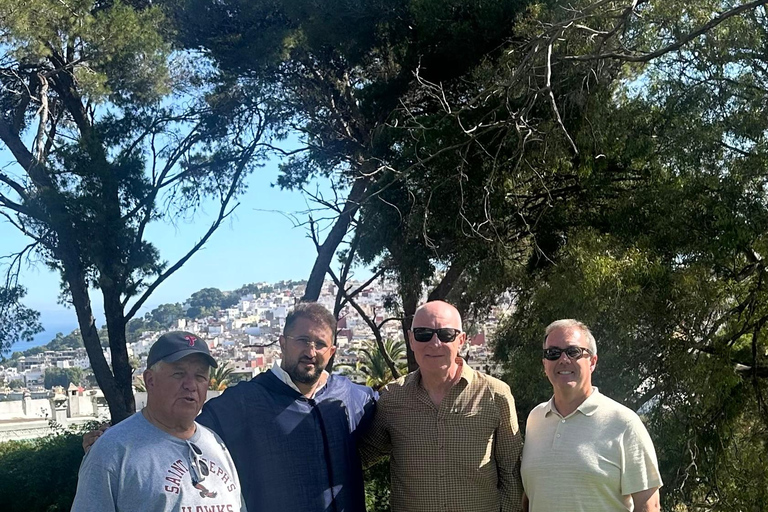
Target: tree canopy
(604, 160)
(109, 130)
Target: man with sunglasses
(451, 432)
(160, 459)
(584, 451)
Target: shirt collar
(467, 373)
(587, 407)
(283, 376)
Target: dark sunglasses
(198, 469)
(572, 351)
(444, 334)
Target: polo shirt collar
(588, 407)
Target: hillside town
(243, 338)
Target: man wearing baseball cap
(160, 459)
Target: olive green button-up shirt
(463, 456)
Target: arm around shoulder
(509, 449)
(374, 443)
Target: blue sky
(257, 243)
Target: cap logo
(191, 340)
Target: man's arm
(640, 477)
(96, 488)
(647, 501)
(509, 448)
(375, 442)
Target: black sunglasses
(572, 351)
(198, 469)
(444, 334)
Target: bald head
(437, 314)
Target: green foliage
(16, 384)
(120, 53)
(120, 141)
(17, 322)
(62, 377)
(62, 342)
(371, 362)
(220, 377)
(208, 301)
(40, 475)
(253, 288)
(165, 314)
(377, 487)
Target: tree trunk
(119, 409)
(410, 303)
(447, 283)
(121, 366)
(326, 251)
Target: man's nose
(189, 382)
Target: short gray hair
(570, 323)
(155, 367)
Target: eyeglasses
(572, 351)
(198, 469)
(444, 334)
(307, 342)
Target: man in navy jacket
(292, 432)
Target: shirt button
(562, 421)
(558, 435)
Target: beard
(301, 375)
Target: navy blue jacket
(294, 454)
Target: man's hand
(90, 437)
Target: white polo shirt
(589, 461)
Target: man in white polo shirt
(583, 451)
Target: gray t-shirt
(135, 466)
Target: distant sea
(54, 322)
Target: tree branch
(677, 44)
(376, 330)
(223, 214)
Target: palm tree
(373, 365)
(220, 377)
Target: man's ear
(149, 378)
(592, 363)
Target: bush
(40, 475)
(377, 487)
